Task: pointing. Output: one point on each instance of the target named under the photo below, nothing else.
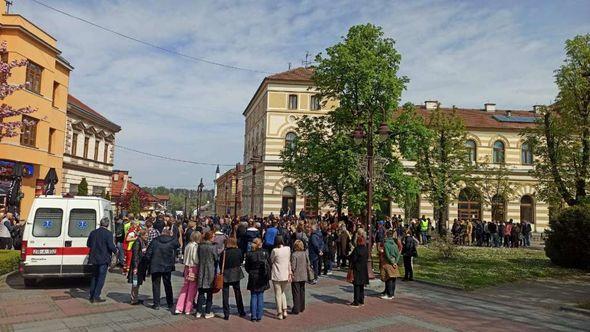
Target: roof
(94, 115)
(299, 75)
(480, 119)
(163, 197)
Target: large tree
(442, 161)
(10, 128)
(361, 73)
(561, 141)
(321, 163)
(492, 182)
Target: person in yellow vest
(131, 233)
(423, 231)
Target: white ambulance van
(55, 235)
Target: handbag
(350, 276)
(310, 272)
(218, 282)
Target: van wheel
(30, 282)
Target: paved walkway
(61, 305)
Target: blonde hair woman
(299, 267)
(188, 292)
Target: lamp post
(199, 192)
(358, 136)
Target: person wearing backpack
(270, 236)
(408, 252)
(258, 267)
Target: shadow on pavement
(15, 281)
(330, 299)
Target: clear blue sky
(462, 53)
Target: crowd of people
(11, 230)
(492, 234)
(283, 253)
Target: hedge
(9, 260)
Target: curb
(576, 310)
(430, 283)
(4, 276)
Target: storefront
(12, 174)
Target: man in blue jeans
(100, 242)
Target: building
(40, 146)
(121, 184)
(89, 149)
(282, 98)
(229, 192)
(271, 117)
(163, 200)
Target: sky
(462, 53)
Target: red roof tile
(297, 74)
(480, 119)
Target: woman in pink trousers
(188, 292)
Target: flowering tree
(10, 128)
(133, 200)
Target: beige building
(89, 149)
(281, 99)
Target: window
(527, 209)
(526, 154)
(86, 141)
(471, 150)
(55, 96)
(498, 152)
(28, 131)
(498, 208)
(74, 144)
(51, 137)
(96, 145)
(290, 139)
(98, 191)
(34, 77)
(82, 222)
(47, 222)
(315, 103)
(469, 205)
(105, 157)
(292, 102)
(73, 189)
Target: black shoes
(98, 300)
(156, 307)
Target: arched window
(498, 152)
(290, 139)
(288, 203)
(526, 154)
(527, 209)
(469, 205)
(471, 150)
(498, 208)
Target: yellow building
(40, 146)
(282, 98)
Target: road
(61, 305)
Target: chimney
(489, 107)
(431, 104)
(537, 108)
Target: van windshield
(47, 222)
(82, 222)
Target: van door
(81, 219)
(44, 247)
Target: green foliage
(493, 181)
(177, 196)
(561, 141)
(83, 188)
(477, 267)
(568, 238)
(442, 161)
(9, 260)
(134, 203)
(444, 247)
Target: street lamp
(199, 192)
(358, 136)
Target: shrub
(444, 248)
(568, 238)
(9, 260)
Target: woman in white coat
(280, 259)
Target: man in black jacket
(161, 254)
(100, 242)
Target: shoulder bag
(218, 282)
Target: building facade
(40, 146)
(89, 149)
(493, 136)
(228, 199)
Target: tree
(492, 182)
(132, 199)
(561, 141)
(10, 128)
(442, 161)
(361, 72)
(83, 188)
(321, 162)
(134, 203)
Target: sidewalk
(62, 306)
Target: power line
(186, 56)
(172, 159)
